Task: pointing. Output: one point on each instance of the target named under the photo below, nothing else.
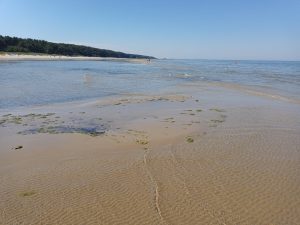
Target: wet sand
(203, 155)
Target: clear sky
(211, 29)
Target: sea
(32, 83)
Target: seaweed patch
(91, 131)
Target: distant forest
(14, 44)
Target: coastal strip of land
(46, 57)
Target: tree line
(14, 44)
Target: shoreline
(42, 57)
(135, 97)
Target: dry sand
(44, 57)
(210, 156)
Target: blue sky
(211, 29)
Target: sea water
(31, 83)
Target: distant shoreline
(45, 57)
(33, 46)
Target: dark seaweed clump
(92, 131)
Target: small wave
(184, 75)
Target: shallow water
(29, 83)
(211, 155)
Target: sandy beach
(45, 57)
(149, 112)
(211, 155)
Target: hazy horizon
(256, 30)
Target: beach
(187, 151)
(46, 57)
